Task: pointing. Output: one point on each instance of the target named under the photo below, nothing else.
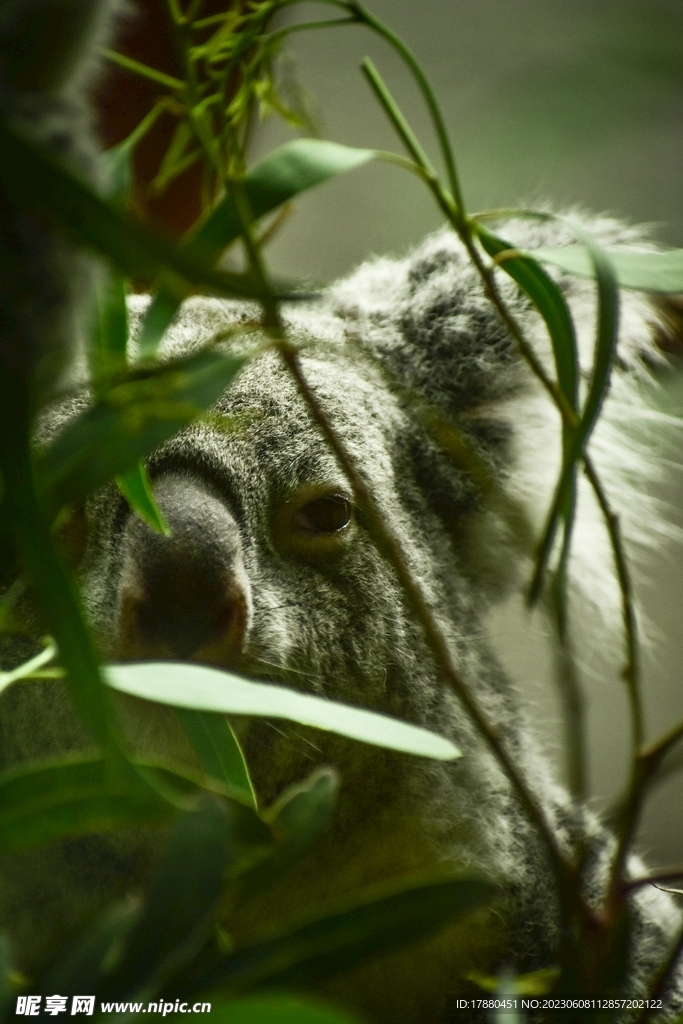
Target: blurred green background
(572, 102)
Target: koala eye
(325, 515)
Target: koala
(272, 570)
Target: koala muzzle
(185, 596)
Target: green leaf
(7, 989)
(279, 177)
(36, 181)
(605, 350)
(136, 489)
(190, 685)
(110, 334)
(296, 819)
(51, 585)
(339, 941)
(551, 304)
(219, 752)
(182, 901)
(128, 421)
(535, 983)
(646, 271)
(82, 964)
(275, 1009)
(40, 803)
(181, 139)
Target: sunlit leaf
(646, 271)
(190, 685)
(219, 751)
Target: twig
(662, 979)
(28, 668)
(391, 549)
(666, 874)
(142, 69)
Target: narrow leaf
(339, 941)
(110, 335)
(82, 964)
(605, 349)
(128, 422)
(551, 304)
(182, 901)
(208, 689)
(219, 752)
(136, 489)
(40, 803)
(273, 181)
(646, 271)
(38, 182)
(296, 819)
(279, 177)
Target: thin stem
(305, 26)
(142, 69)
(631, 672)
(428, 94)
(28, 668)
(654, 752)
(396, 117)
(362, 16)
(663, 978)
(391, 550)
(573, 708)
(666, 874)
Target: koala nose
(187, 595)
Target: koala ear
(427, 319)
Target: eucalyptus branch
(406, 133)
